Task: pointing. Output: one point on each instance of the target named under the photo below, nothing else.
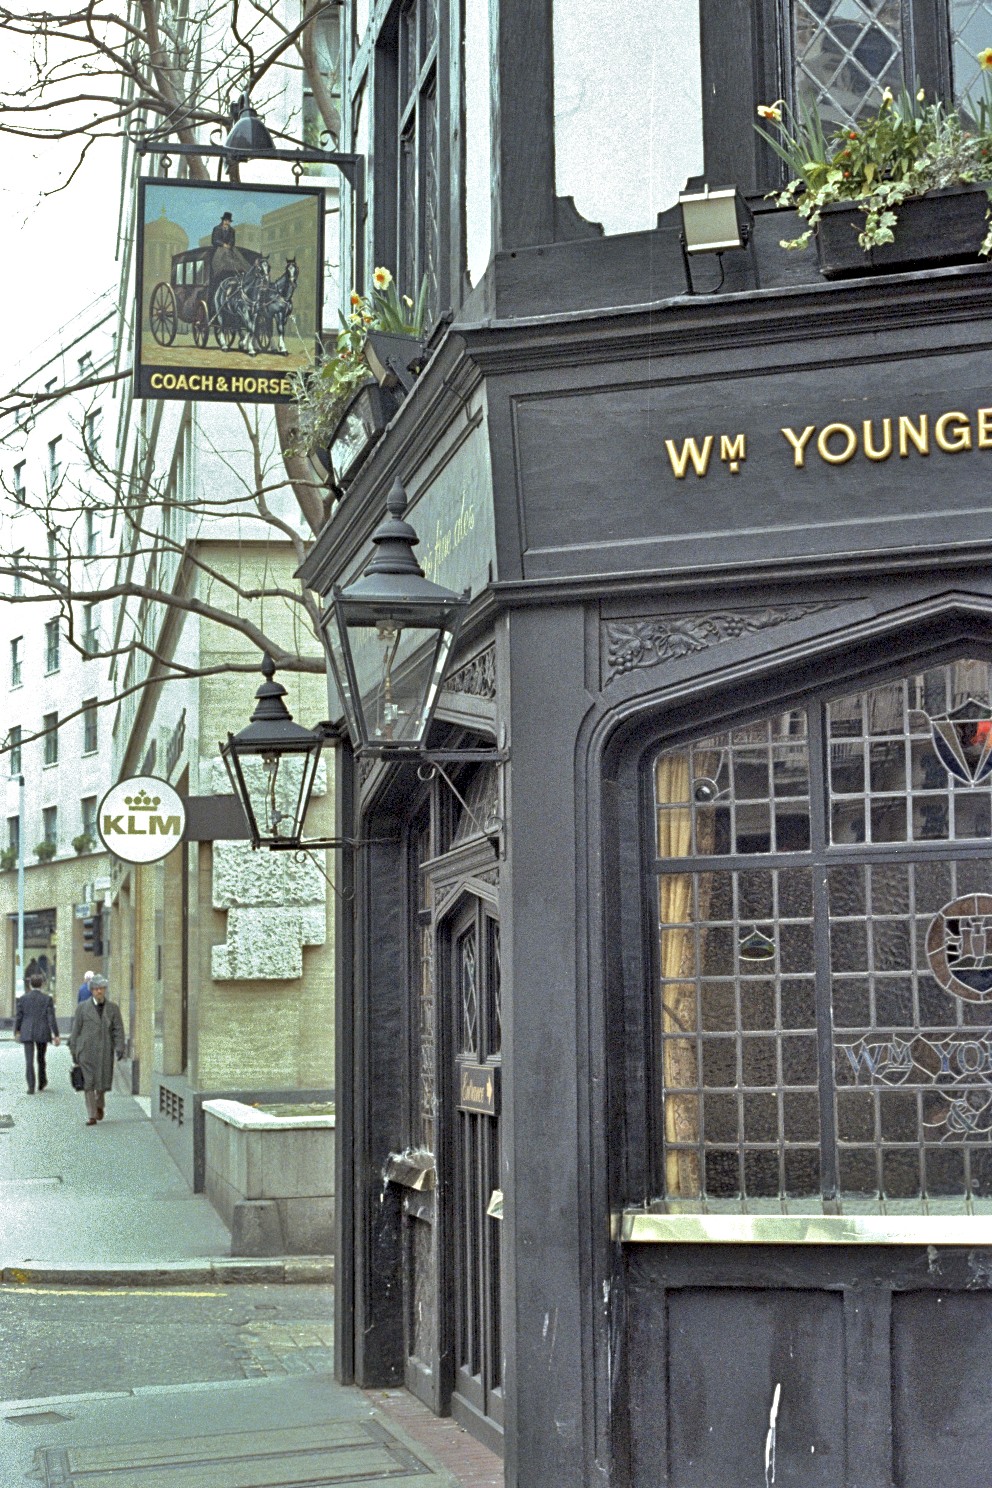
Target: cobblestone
(273, 1350)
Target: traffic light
(92, 936)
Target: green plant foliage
(8, 859)
(907, 148)
(45, 850)
(83, 843)
(323, 391)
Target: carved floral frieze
(477, 677)
(652, 640)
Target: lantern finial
(396, 501)
(395, 539)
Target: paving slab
(248, 1434)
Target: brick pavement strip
(473, 1465)
(276, 1349)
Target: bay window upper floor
(474, 117)
(837, 54)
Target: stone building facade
(54, 517)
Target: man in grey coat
(97, 1035)
(36, 1027)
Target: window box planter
(357, 431)
(45, 851)
(943, 227)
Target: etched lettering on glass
(955, 1073)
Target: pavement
(247, 1434)
(106, 1203)
(104, 1208)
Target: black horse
(277, 302)
(238, 299)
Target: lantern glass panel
(278, 789)
(342, 675)
(398, 671)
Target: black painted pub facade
(666, 1124)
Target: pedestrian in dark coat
(97, 1035)
(36, 1027)
(84, 990)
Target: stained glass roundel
(959, 947)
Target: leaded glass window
(425, 997)
(846, 51)
(427, 1081)
(468, 987)
(824, 950)
(418, 202)
(971, 29)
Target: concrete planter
(270, 1176)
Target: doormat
(340, 1452)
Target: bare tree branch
(19, 401)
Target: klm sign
(142, 819)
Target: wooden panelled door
(474, 996)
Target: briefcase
(76, 1078)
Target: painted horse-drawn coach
(242, 306)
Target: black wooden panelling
(941, 1399)
(727, 1350)
(881, 1352)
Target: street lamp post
(19, 967)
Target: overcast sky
(58, 251)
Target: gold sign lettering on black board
(478, 1086)
(903, 436)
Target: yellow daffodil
(921, 95)
(771, 111)
(887, 99)
(382, 278)
(356, 298)
(985, 58)
(408, 302)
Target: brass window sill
(637, 1227)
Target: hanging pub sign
(229, 289)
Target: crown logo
(142, 801)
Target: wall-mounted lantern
(358, 430)
(391, 635)
(272, 765)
